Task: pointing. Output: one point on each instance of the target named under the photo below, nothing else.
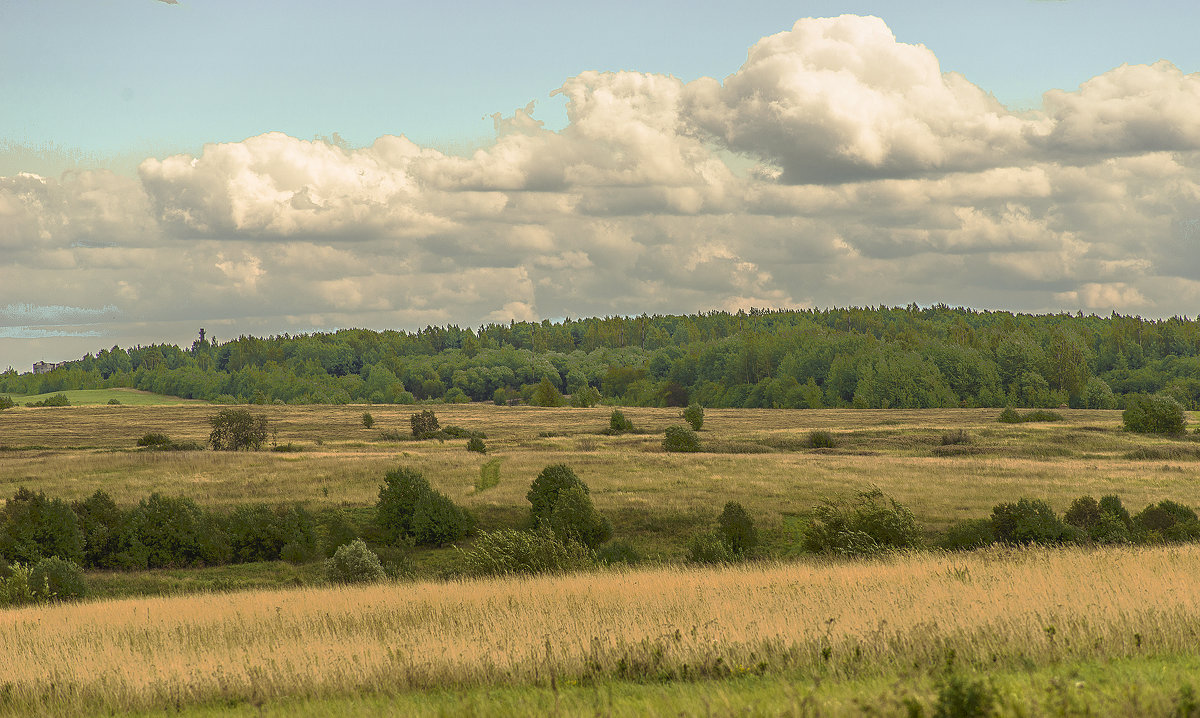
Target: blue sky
(267, 167)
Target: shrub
(736, 529)
(1084, 512)
(694, 416)
(260, 533)
(868, 523)
(15, 589)
(1009, 416)
(55, 579)
(574, 518)
(961, 698)
(368, 421)
(968, 535)
(1111, 504)
(334, 530)
(237, 429)
(821, 439)
(6, 403)
(1156, 414)
(546, 488)
(709, 548)
(33, 527)
(489, 475)
(679, 438)
(958, 436)
(1111, 529)
(101, 523)
(154, 440)
(617, 422)
(500, 397)
(354, 563)
(56, 400)
(423, 423)
(585, 396)
(398, 498)
(508, 551)
(1041, 415)
(618, 552)
(1164, 516)
(114, 402)
(476, 444)
(436, 520)
(1028, 521)
(165, 532)
(546, 394)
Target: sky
(269, 167)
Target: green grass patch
(126, 397)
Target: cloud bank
(835, 166)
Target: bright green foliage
(546, 394)
(737, 529)
(1028, 521)
(489, 475)
(709, 548)
(354, 563)
(547, 487)
(1009, 416)
(1098, 395)
(500, 397)
(617, 422)
(56, 400)
(963, 698)
(237, 429)
(398, 497)
(585, 396)
(6, 403)
(694, 416)
(1154, 414)
(33, 527)
(574, 518)
(437, 520)
(508, 551)
(55, 579)
(680, 438)
(15, 589)
(867, 523)
(423, 423)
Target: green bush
(585, 396)
(258, 532)
(398, 497)
(154, 440)
(354, 563)
(546, 488)
(489, 475)
(958, 436)
(680, 438)
(546, 394)
(1154, 414)
(33, 527)
(574, 518)
(1084, 512)
(56, 400)
(237, 429)
(1164, 517)
(821, 439)
(617, 423)
(508, 551)
(736, 529)
(423, 423)
(618, 552)
(694, 416)
(1028, 521)
(334, 530)
(867, 523)
(476, 444)
(1111, 504)
(962, 698)
(1009, 416)
(968, 535)
(500, 397)
(101, 524)
(368, 421)
(114, 402)
(55, 579)
(15, 589)
(709, 548)
(166, 532)
(437, 520)
(6, 402)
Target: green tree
(546, 394)
(398, 497)
(237, 429)
(546, 488)
(737, 529)
(694, 416)
(1155, 414)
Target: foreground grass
(896, 621)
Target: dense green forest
(902, 357)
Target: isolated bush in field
(33, 527)
(114, 402)
(618, 552)
(1084, 512)
(237, 429)
(867, 523)
(585, 396)
(155, 440)
(398, 497)
(694, 416)
(423, 423)
(334, 530)
(508, 551)
(547, 487)
(1154, 414)
(1028, 521)
(489, 475)
(968, 535)
(101, 523)
(55, 579)
(476, 444)
(6, 403)
(821, 439)
(174, 532)
(680, 438)
(437, 520)
(354, 563)
(546, 394)
(574, 518)
(736, 529)
(617, 422)
(1009, 416)
(709, 548)
(957, 436)
(368, 421)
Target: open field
(823, 635)
(85, 397)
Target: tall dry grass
(895, 617)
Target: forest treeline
(886, 357)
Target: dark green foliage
(334, 530)
(33, 527)
(423, 423)
(154, 440)
(508, 551)
(398, 498)
(114, 402)
(680, 438)
(867, 523)
(437, 520)
(55, 579)
(821, 439)
(574, 518)
(1009, 416)
(617, 423)
(1155, 414)
(354, 563)
(546, 394)
(1111, 504)
(6, 403)
(1084, 512)
(968, 535)
(258, 532)
(500, 397)
(476, 444)
(102, 524)
(489, 475)
(694, 416)
(737, 530)
(368, 421)
(237, 429)
(709, 548)
(457, 432)
(1028, 521)
(167, 532)
(1169, 518)
(547, 487)
(56, 400)
(618, 552)
(959, 697)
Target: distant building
(42, 367)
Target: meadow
(1109, 630)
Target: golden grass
(900, 617)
